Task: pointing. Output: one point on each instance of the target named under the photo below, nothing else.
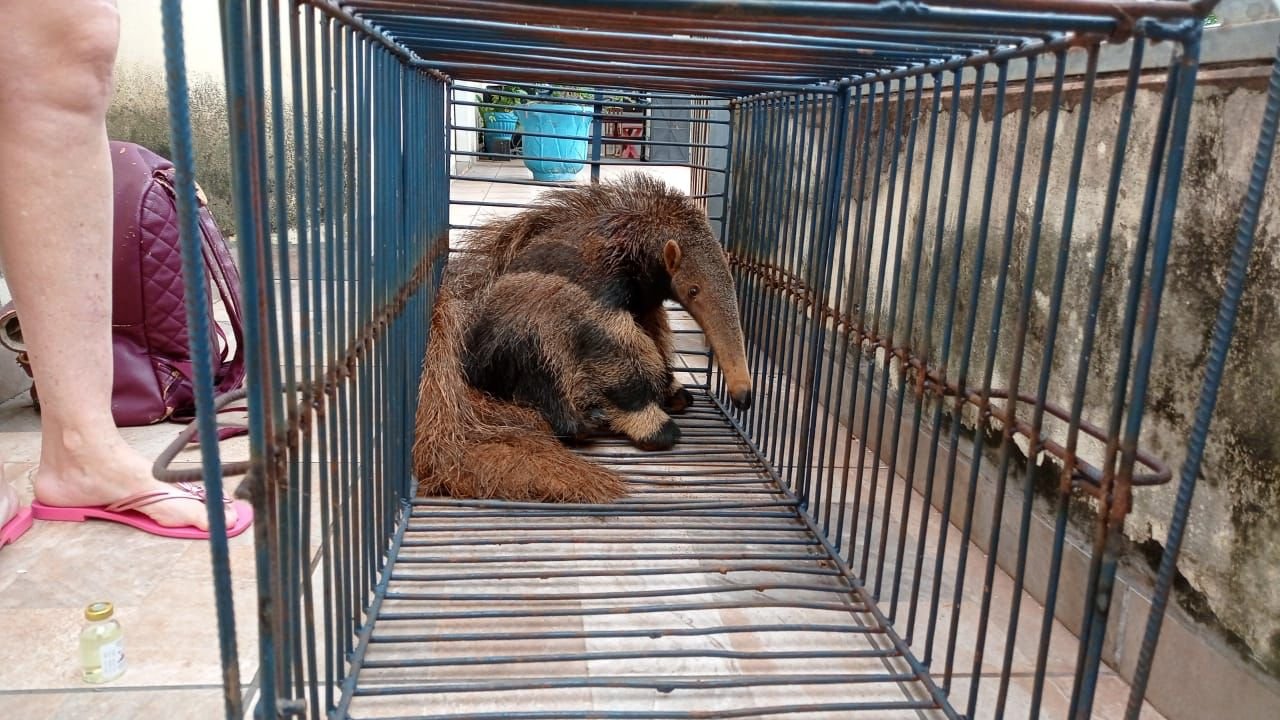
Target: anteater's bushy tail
(468, 445)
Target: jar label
(112, 656)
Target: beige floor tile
(485, 169)
(1111, 699)
(467, 190)
(19, 445)
(820, 695)
(161, 587)
(1053, 704)
(172, 616)
(19, 475)
(41, 646)
(69, 565)
(169, 622)
(30, 705)
(463, 214)
(395, 706)
(471, 187)
(167, 703)
(497, 702)
(511, 194)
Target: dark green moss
(139, 114)
(1273, 648)
(1193, 602)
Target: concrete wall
(1230, 554)
(1230, 562)
(139, 113)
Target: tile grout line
(107, 688)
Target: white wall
(142, 39)
(464, 140)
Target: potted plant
(496, 114)
(563, 156)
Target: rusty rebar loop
(160, 468)
(927, 379)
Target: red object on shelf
(630, 130)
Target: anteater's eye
(693, 291)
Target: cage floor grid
(703, 594)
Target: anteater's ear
(671, 255)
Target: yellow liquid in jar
(102, 652)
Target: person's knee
(88, 50)
(61, 57)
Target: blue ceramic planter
(565, 156)
(499, 126)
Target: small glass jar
(101, 645)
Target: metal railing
(893, 304)
(925, 279)
(332, 326)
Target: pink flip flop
(126, 511)
(16, 526)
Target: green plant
(569, 93)
(492, 104)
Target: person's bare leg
(56, 64)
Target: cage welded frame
(902, 293)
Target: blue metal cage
(898, 186)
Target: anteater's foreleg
(629, 379)
(657, 327)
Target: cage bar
(898, 187)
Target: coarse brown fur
(551, 325)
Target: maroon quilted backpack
(153, 373)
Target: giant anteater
(550, 325)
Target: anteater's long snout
(724, 334)
(738, 379)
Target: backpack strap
(226, 278)
(231, 371)
(222, 273)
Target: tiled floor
(162, 590)
(483, 188)
(163, 593)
